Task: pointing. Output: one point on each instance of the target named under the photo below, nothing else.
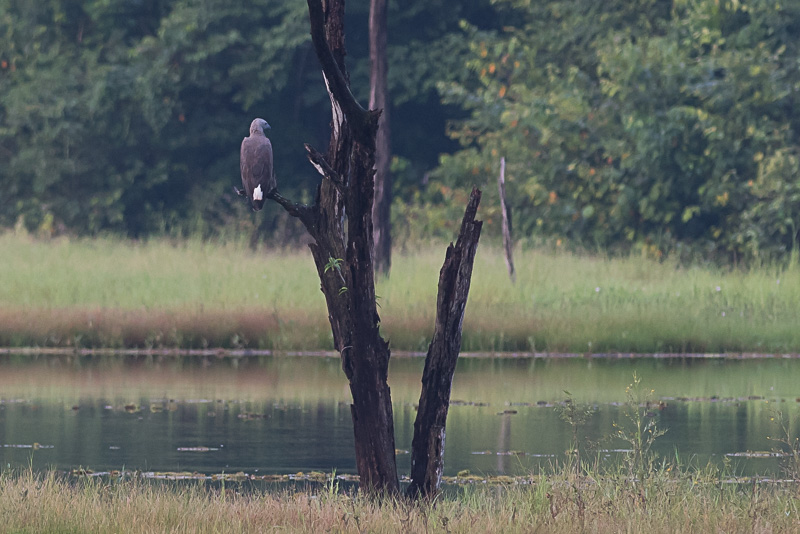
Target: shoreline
(247, 353)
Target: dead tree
(340, 223)
(427, 447)
(508, 244)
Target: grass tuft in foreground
(668, 502)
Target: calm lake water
(264, 415)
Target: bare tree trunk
(379, 99)
(427, 447)
(343, 253)
(508, 244)
(340, 222)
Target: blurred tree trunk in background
(379, 99)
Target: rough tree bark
(379, 99)
(342, 253)
(340, 222)
(427, 448)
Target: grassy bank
(110, 293)
(562, 503)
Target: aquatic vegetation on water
(276, 415)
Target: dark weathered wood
(379, 100)
(508, 244)
(327, 36)
(427, 448)
(340, 222)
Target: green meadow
(162, 293)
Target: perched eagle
(255, 162)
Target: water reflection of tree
(503, 440)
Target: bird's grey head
(258, 126)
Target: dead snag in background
(508, 244)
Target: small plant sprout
(334, 263)
(640, 429)
(789, 446)
(576, 415)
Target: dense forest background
(668, 127)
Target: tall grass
(562, 503)
(107, 292)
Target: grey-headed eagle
(255, 162)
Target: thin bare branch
(319, 162)
(301, 211)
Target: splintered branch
(321, 164)
(366, 121)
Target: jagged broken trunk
(427, 447)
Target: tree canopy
(668, 127)
(656, 124)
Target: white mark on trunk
(338, 116)
(440, 456)
(319, 168)
(258, 194)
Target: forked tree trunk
(340, 222)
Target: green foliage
(60, 170)
(667, 127)
(630, 123)
(334, 263)
(639, 430)
(126, 117)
